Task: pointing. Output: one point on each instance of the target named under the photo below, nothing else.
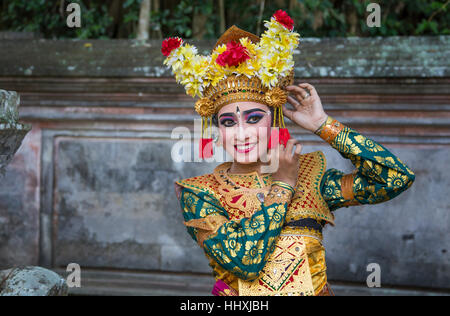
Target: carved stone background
(93, 181)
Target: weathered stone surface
(19, 206)
(10, 141)
(127, 185)
(11, 132)
(32, 281)
(9, 106)
(397, 56)
(407, 236)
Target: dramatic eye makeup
(227, 119)
(253, 116)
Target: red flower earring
(278, 135)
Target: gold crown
(240, 88)
(236, 88)
(241, 67)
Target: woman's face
(245, 130)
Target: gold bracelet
(279, 193)
(284, 185)
(329, 129)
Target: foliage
(316, 18)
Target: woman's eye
(228, 123)
(254, 119)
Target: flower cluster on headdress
(269, 60)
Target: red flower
(283, 18)
(233, 56)
(169, 44)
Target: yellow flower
(270, 60)
(220, 49)
(245, 69)
(269, 79)
(247, 43)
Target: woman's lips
(242, 149)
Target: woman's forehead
(244, 105)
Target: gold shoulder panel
(308, 200)
(206, 183)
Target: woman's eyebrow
(254, 110)
(227, 114)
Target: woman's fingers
(290, 147)
(294, 102)
(300, 92)
(311, 88)
(288, 113)
(300, 89)
(298, 150)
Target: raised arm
(379, 175)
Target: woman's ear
(217, 136)
(218, 139)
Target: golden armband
(347, 189)
(329, 129)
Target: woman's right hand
(289, 163)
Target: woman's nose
(241, 133)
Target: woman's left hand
(308, 110)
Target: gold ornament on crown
(259, 76)
(241, 67)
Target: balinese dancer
(261, 229)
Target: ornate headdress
(241, 67)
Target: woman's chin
(245, 159)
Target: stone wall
(93, 180)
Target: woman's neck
(240, 168)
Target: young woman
(259, 218)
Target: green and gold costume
(261, 238)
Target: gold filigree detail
(206, 226)
(285, 273)
(243, 199)
(204, 107)
(276, 97)
(307, 200)
(279, 195)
